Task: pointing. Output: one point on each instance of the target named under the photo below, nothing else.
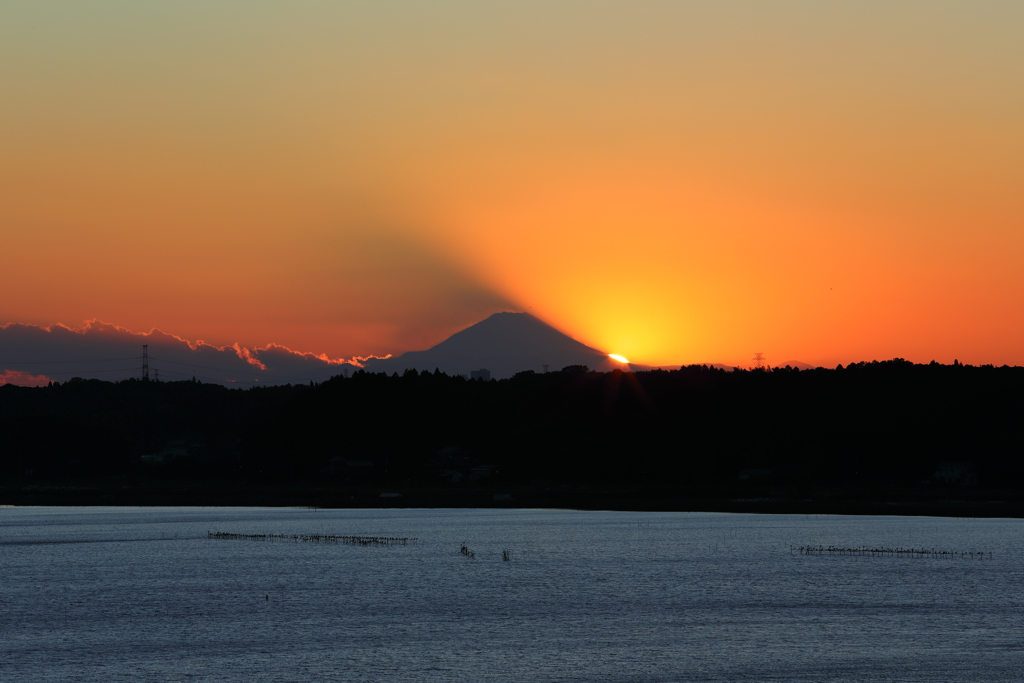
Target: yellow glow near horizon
(688, 182)
(615, 356)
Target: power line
(153, 358)
(268, 378)
(234, 370)
(62, 362)
(217, 380)
(88, 372)
(193, 365)
(312, 374)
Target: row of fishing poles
(887, 552)
(312, 538)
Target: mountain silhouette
(798, 364)
(504, 344)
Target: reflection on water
(127, 594)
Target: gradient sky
(677, 182)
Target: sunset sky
(677, 182)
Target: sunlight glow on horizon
(615, 356)
(828, 183)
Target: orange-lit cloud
(101, 350)
(246, 355)
(23, 379)
(355, 360)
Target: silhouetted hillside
(890, 422)
(697, 431)
(89, 428)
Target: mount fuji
(504, 344)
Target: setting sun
(356, 179)
(615, 356)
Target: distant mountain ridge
(504, 344)
(798, 364)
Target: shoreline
(965, 502)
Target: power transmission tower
(759, 362)
(145, 362)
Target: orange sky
(675, 182)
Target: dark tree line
(879, 423)
(91, 428)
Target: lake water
(128, 594)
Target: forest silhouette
(893, 433)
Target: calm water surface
(118, 594)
